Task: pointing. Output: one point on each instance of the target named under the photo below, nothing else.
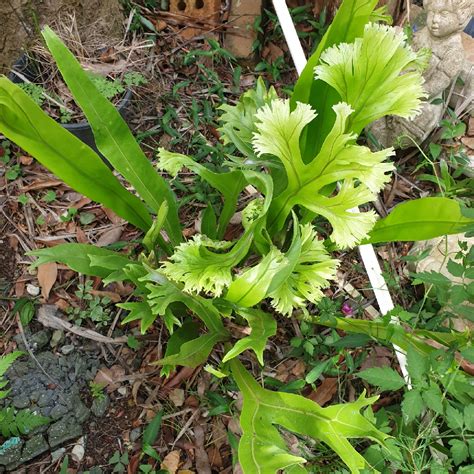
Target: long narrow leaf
(23, 122)
(420, 219)
(113, 137)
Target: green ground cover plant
(302, 158)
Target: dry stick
(49, 320)
(185, 428)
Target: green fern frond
(311, 272)
(13, 423)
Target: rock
(78, 450)
(57, 338)
(58, 411)
(10, 451)
(81, 412)
(122, 391)
(39, 340)
(35, 396)
(100, 405)
(63, 430)
(135, 434)
(34, 447)
(67, 349)
(437, 261)
(57, 454)
(21, 401)
(239, 40)
(45, 398)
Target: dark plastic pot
(81, 130)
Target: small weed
(23, 199)
(35, 91)
(91, 307)
(119, 461)
(97, 390)
(68, 216)
(49, 196)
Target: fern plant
(17, 423)
(364, 71)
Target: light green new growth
(376, 75)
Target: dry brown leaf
(26, 160)
(324, 392)
(62, 304)
(108, 377)
(82, 202)
(202, 459)
(81, 236)
(377, 358)
(47, 274)
(219, 433)
(109, 237)
(114, 297)
(470, 128)
(171, 462)
(299, 369)
(112, 216)
(468, 44)
(177, 396)
(215, 458)
(272, 52)
(160, 25)
(468, 141)
(20, 286)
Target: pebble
(100, 405)
(67, 349)
(135, 434)
(122, 390)
(32, 290)
(57, 454)
(78, 450)
(57, 338)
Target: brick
(203, 12)
(241, 35)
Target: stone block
(241, 34)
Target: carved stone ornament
(446, 19)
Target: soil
(110, 433)
(7, 256)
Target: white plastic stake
(367, 252)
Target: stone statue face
(442, 19)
